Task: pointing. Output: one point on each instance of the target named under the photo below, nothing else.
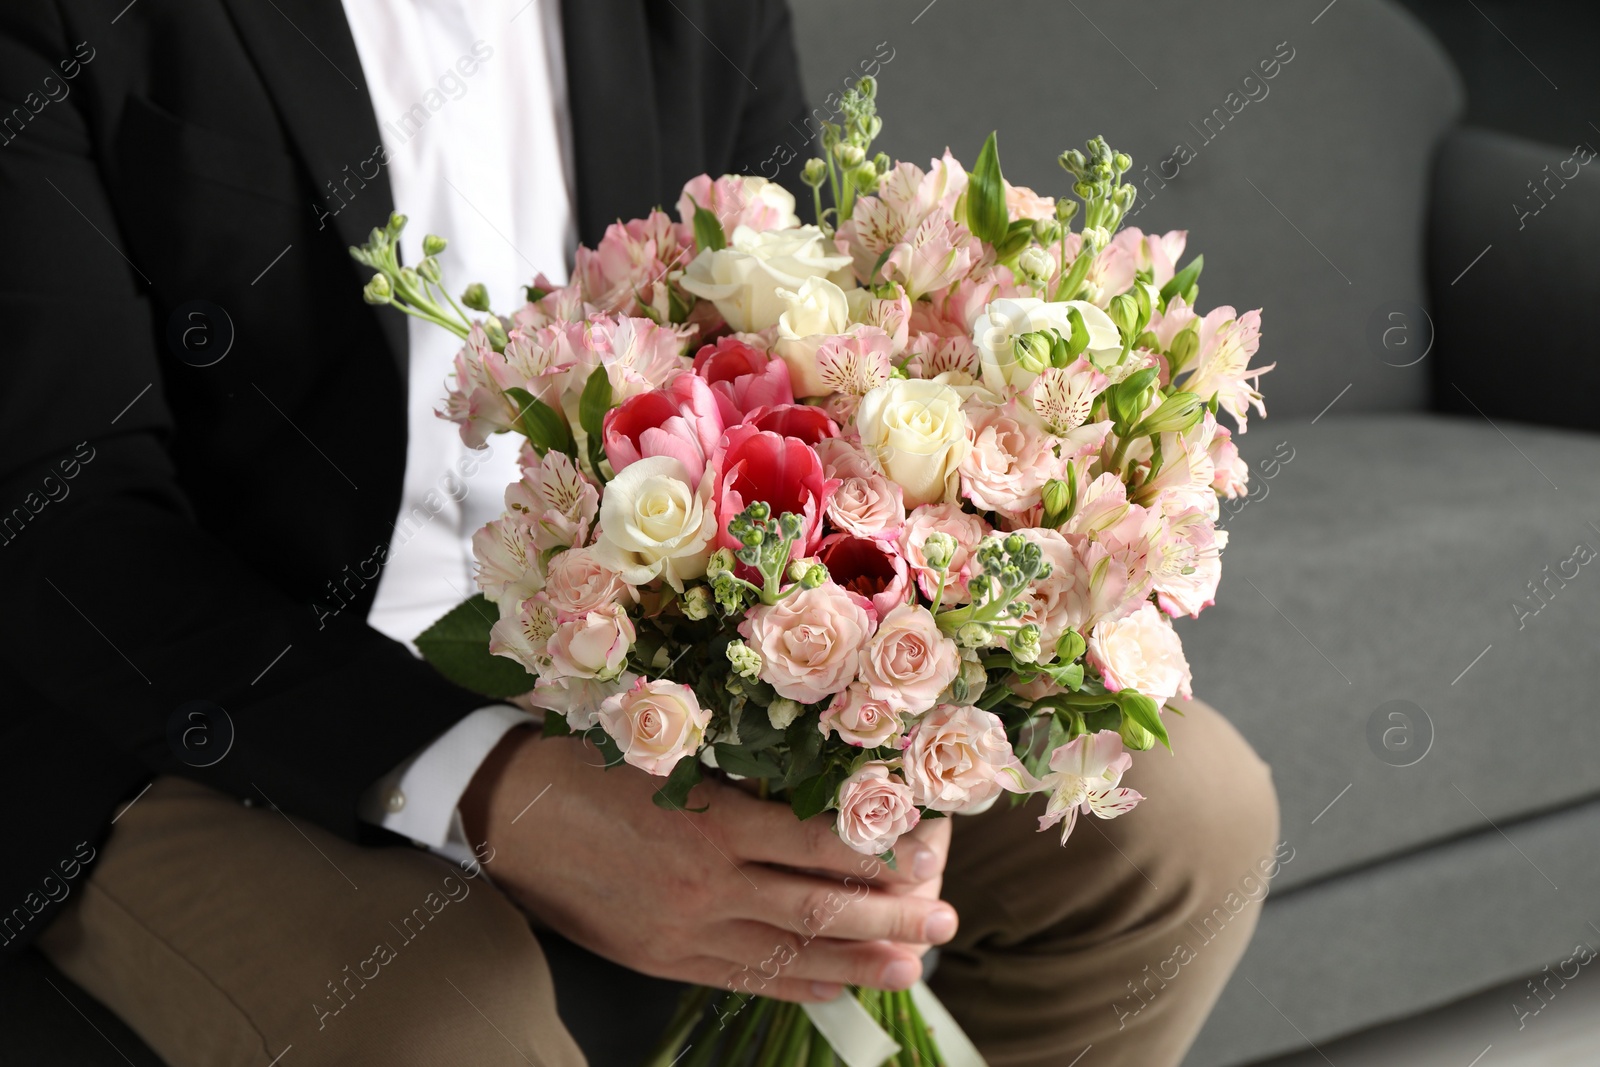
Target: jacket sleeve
(119, 609)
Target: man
(228, 508)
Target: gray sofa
(1394, 524)
(1404, 501)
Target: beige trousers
(229, 935)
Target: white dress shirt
(471, 102)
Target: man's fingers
(769, 833)
(766, 953)
(853, 911)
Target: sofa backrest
(1292, 139)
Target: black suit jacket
(173, 533)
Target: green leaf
(812, 796)
(1144, 711)
(805, 741)
(737, 759)
(458, 647)
(883, 257)
(674, 793)
(539, 423)
(1018, 236)
(708, 230)
(756, 731)
(555, 725)
(1182, 281)
(606, 745)
(987, 217)
(595, 402)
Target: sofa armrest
(1514, 273)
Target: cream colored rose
(655, 724)
(743, 279)
(916, 434)
(875, 809)
(995, 333)
(813, 313)
(654, 524)
(908, 661)
(1141, 652)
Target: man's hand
(714, 898)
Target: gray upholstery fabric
(1408, 936)
(1394, 547)
(1531, 294)
(1341, 143)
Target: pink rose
(739, 200)
(809, 641)
(1142, 652)
(681, 421)
(866, 503)
(576, 583)
(868, 566)
(960, 760)
(1058, 602)
(755, 464)
(1011, 458)
(875, 808)
(743, 377)
(966, 528)
(655, 724)
(909, 660)
(861, 719)
(1024, 203)
(592, 645)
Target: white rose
(1141, 652)
(653, 524)
(743, 279)
(813, 313)
(1003, 321)
(917, 435)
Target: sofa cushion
(1309, 201)
(1426, 559)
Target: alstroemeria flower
(682, 421)
(556, 500)
(784, 472)
(743, 377)
(1085, 776)
(1221, 367)
(739, 200)
(638, 355)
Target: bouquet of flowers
(886, 515)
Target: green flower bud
(790, 524)
(429, 268)
(1124, 311)
(849, 155)
(1096, 237)
(496, 332)
(1024, 644)
(1034, 265)
(782, 712)
(1122, 162)
(974, 635)
(798, 569)
(865, 177)
(720, 563)
(970, 683)
(1073, 162)
(882, 162)
(1065, 210)
(377, 290)
(397, 222)
(814, 173)
(729, 594)
(1135, 736)
(1069, 647)
(697, 602)
(1057, 498)
(759, 511)
(1184, 346)
(746, 661)
(1013, 543)
(476, 297)
(433, 244)
(1032, 351)
(938, 550)
(867, 86)
(1176, 414)
(814, 576)
(1046, 231)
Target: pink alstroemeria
(1085, 776)
(682, 421)
(857, 362)
(638, 355)
(743, 377)
(1221, 367)
(738, 200)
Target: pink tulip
(784, 472)
(681, 421)
(743, 377)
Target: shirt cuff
(419, 799)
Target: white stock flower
(995, 333)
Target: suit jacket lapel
(305, 55)
(611, 90)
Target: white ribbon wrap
(861, 1042)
